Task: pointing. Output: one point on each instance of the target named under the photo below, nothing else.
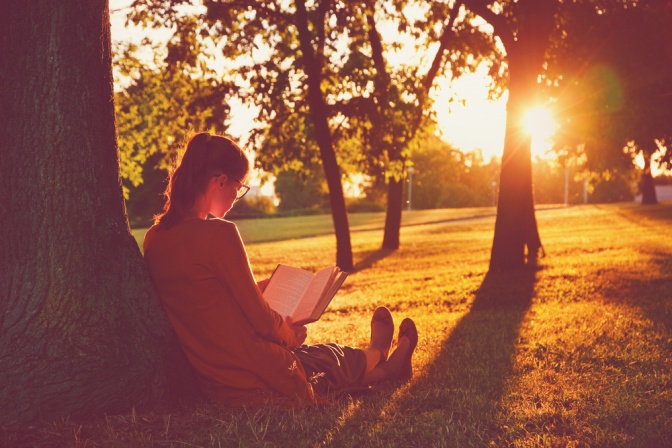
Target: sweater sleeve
(230, 261)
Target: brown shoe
(382, 331)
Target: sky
(478, 123)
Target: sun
(539, 123)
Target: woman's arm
(232, 265)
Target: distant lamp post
(410, 171)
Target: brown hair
(204, 156)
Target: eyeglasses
(240, 191)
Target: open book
(300, 294)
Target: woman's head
(206, 159)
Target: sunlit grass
(575, 353)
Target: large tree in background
(529, 31)
(394, 112)
(524, 28)
(384, 104)
(81, 330)
(313, 57)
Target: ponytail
(203, 156)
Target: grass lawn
(287, 228)
(575, 353)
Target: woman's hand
(300, 331)
(262, 284)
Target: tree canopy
(160, 102)
(373, 99)
(612, 82)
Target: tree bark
(81, 329)
(319, 114)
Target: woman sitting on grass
(242, 351)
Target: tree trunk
(516, 240)
(384, 127)
(319, 114)
(81, 329)
(648, 188)
(395, 197)
(395, 191)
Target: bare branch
(444, 41)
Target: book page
(315, 291)
(286, 288)
(327, 296)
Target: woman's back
(234, 341)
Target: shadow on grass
(660, 214)
(457, 396)
(372, 258)
(647, 286)
(648, 289)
